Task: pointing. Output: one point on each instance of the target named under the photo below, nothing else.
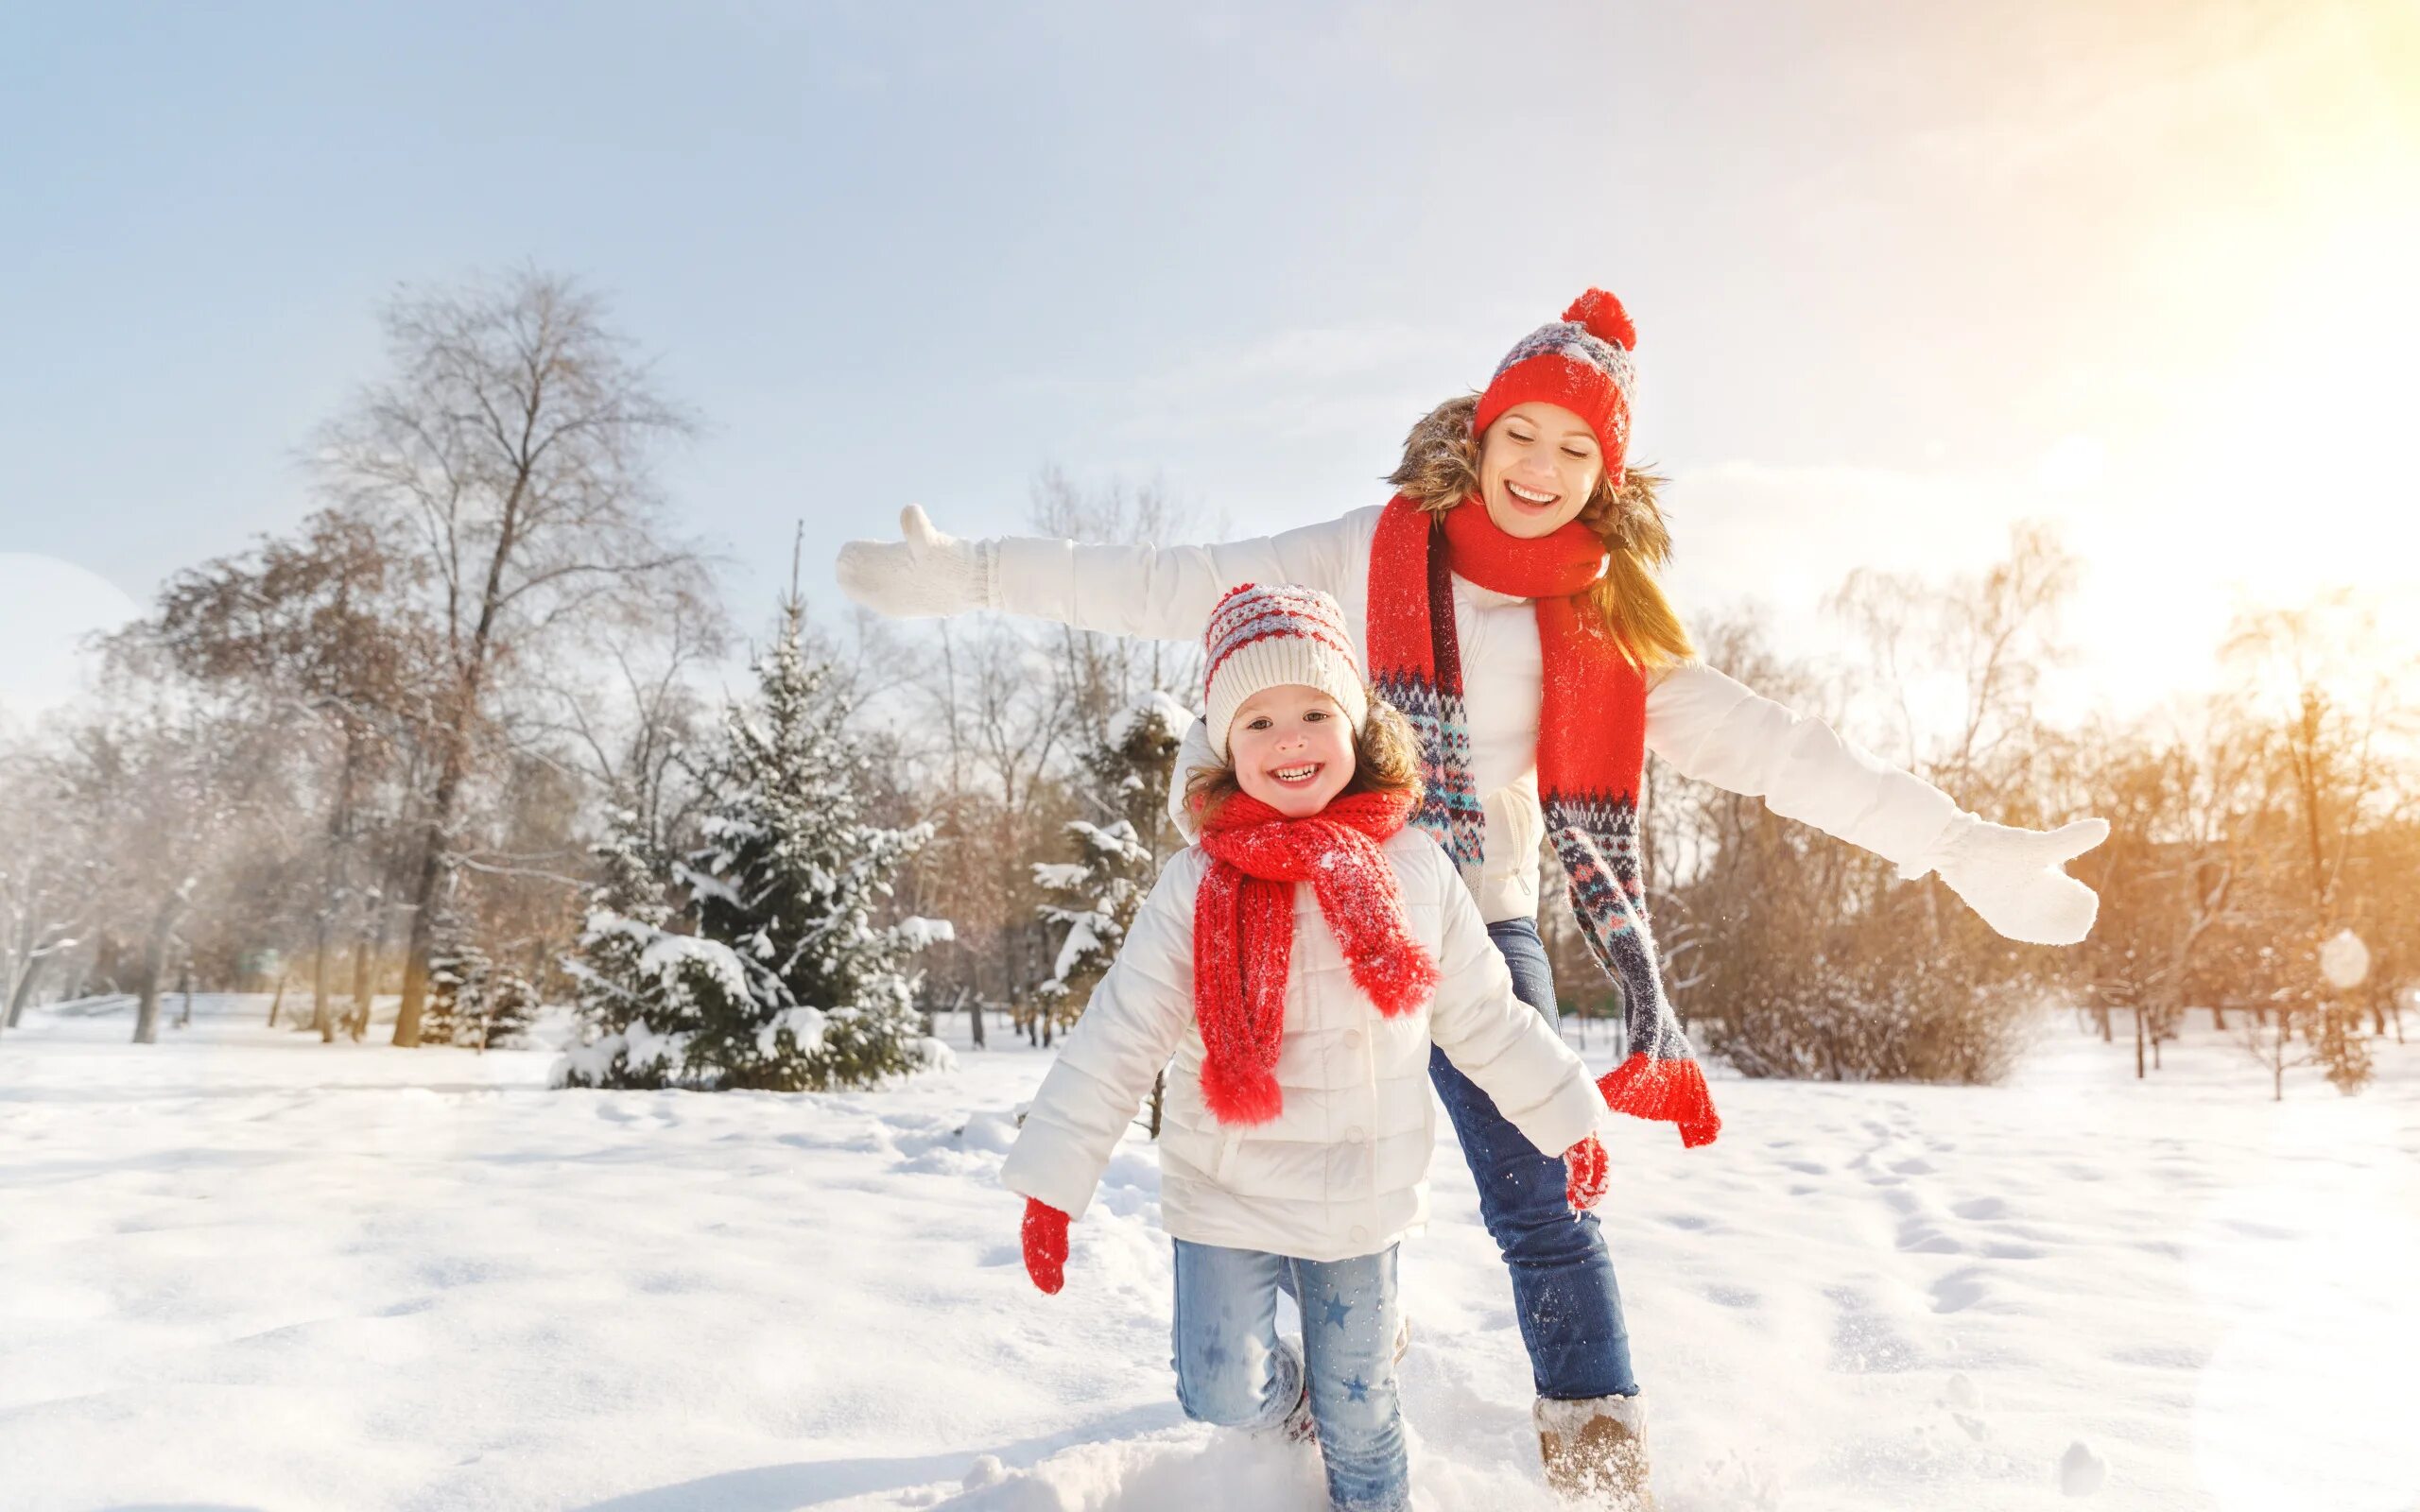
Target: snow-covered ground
(241, 1269)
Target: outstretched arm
(1717, 731)
(1165, 593)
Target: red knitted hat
(1264, 636)
(1582, 361)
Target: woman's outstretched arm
(1164, 592)
(1717, 730)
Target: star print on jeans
(1337, 1311)
(1357, 1389)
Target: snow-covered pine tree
(458, 976)
(628, 906)
(506, 1008)
(642, 991)
(1125, 784)
(791, 878)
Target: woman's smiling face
(1538, 465)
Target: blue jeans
(1232, 1368)
(1563, 1280)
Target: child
(1294, 1152)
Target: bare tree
(47, 880)
(324, 627)
(2334, 711)
(515, 438)
(170, 787)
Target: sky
(1904, 273)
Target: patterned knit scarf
(1592, 750)
(1243, 933)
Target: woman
(1506, 600)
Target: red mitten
(1046, 1243)
(1588, 1173)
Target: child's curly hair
(1386, 758)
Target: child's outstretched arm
(1133, 1024)
(1502, 1043)
(1715, 729)
(1160, 592)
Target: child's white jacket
(1342, 1169)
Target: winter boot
(1596, 1453)
(1298, 1426)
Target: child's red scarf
(1243, 933)
(1592, 748)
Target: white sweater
(1705, 725)
(1342, 1169)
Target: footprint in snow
(2081, 1470)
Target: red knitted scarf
(1243, 933)
(1592, 750)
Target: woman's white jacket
(1342, 1169)
(1705, 725)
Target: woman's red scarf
(1592, 750)
(1243, 933)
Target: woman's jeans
(1563, 1280)
(1232, 1368)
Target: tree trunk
(155, 959)
(2218, 1018)
(416, 946)
(2278, 1063)
(2138, 1042)
(470, 685)
(321, 1018)
(975, 1019)
(23, 992)
(367, 948)
(277, 998)
(26, 963)
(185, 985)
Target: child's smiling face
(1292, 748)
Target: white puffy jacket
(1705, 725)
(1342, 1169)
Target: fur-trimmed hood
(1439, 469)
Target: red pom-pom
(1238, 1095)
(1668, 1091)
(1604, 317)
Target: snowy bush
(1825, 968)
(474, 1000)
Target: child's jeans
(1232, 1368)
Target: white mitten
(2014, 879)
(922, 575)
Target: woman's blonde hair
(1440, 470)
(1386, 758)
